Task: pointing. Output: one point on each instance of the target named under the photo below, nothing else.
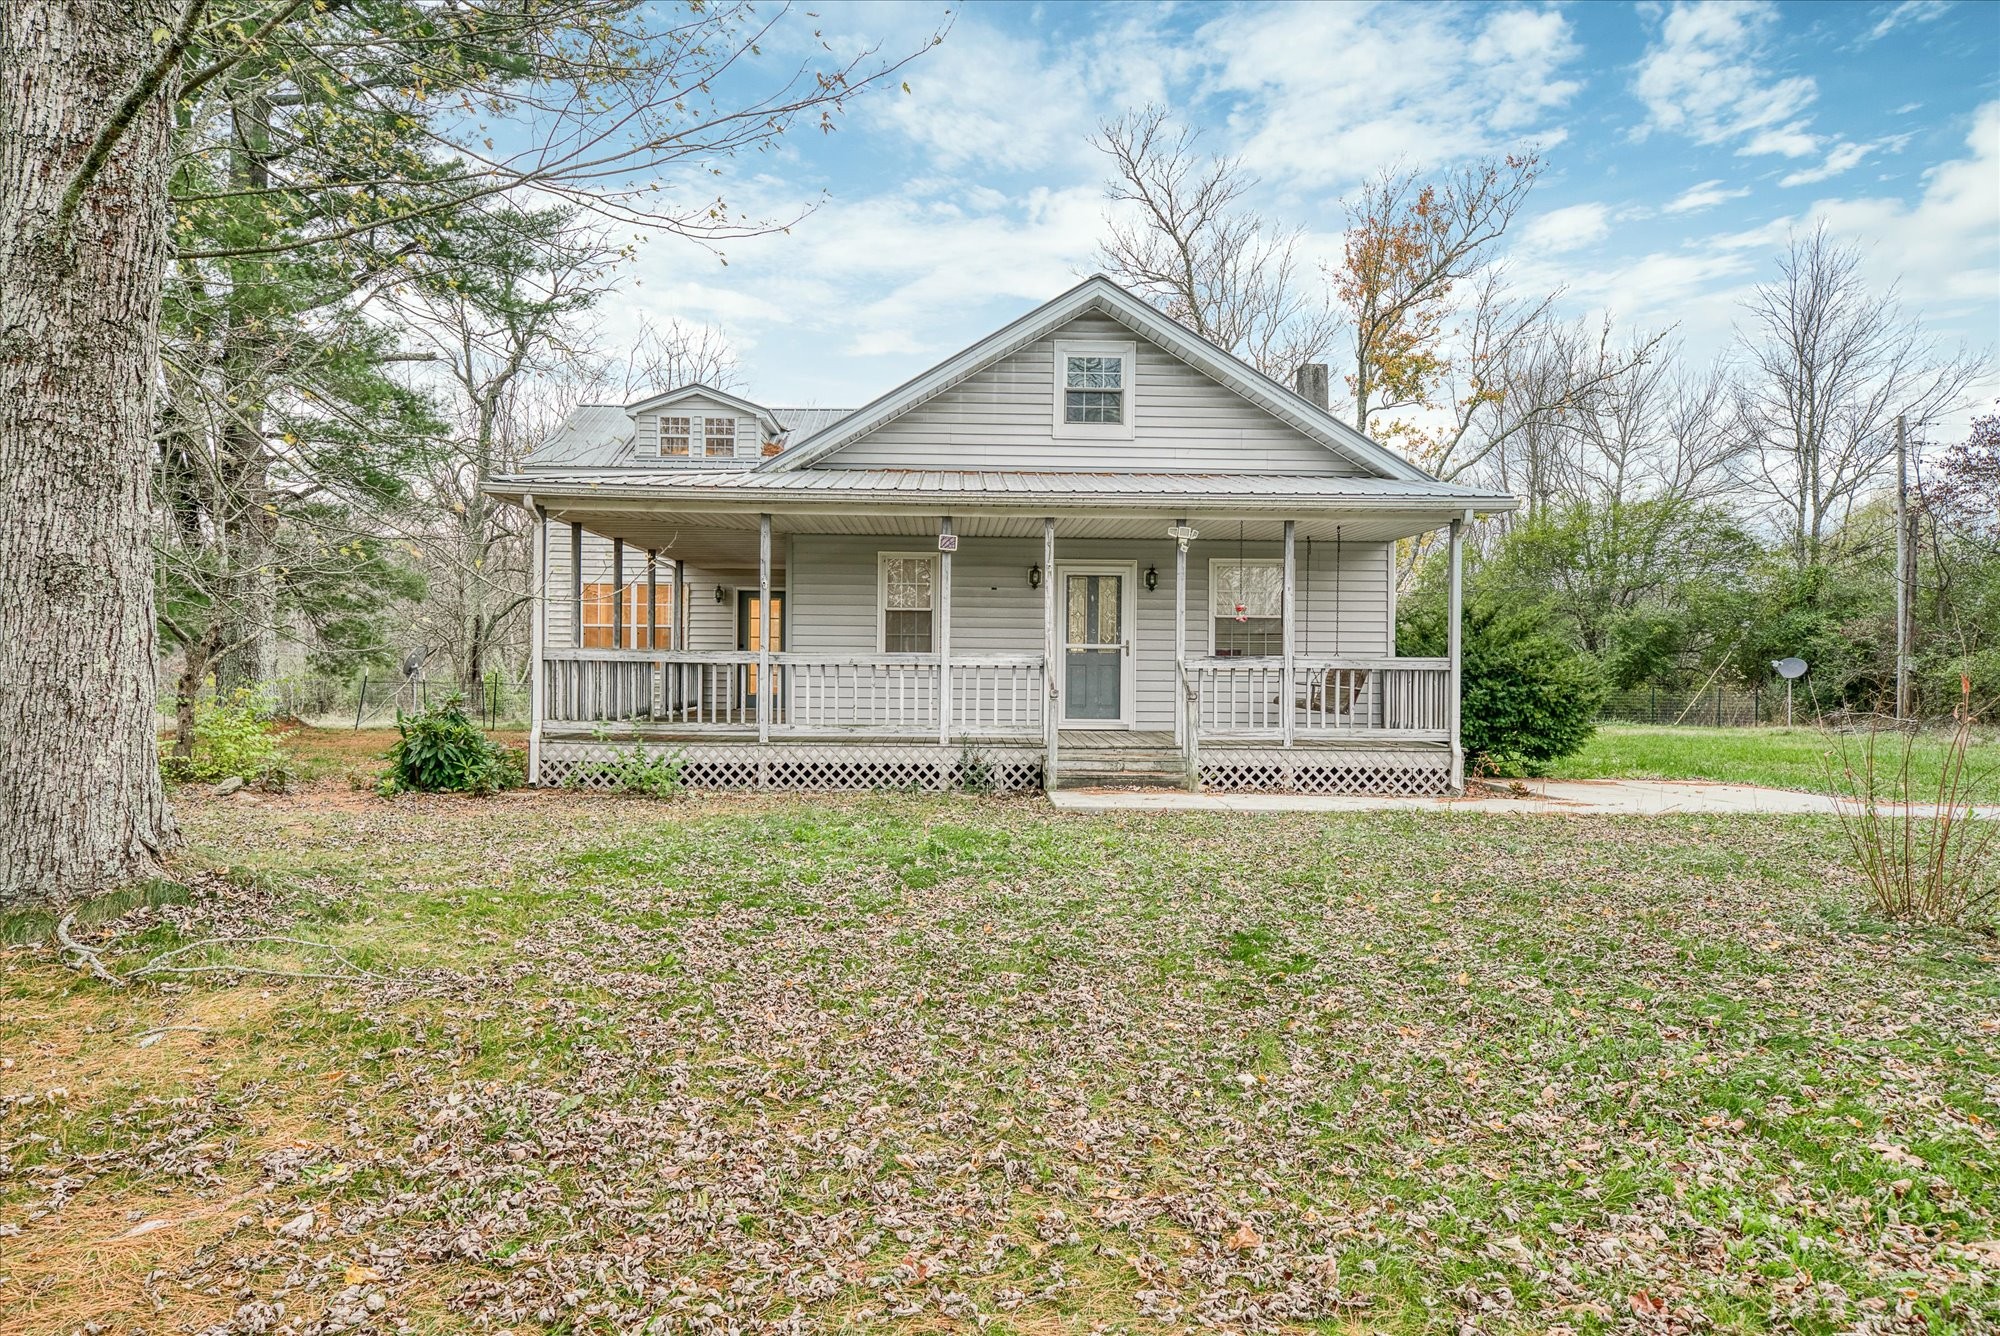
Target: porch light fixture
(1182, 534)
(721, 594)
(1035, 576)
(1152, 578)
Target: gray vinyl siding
(1004, 418)
(995, 611)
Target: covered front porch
(794, 687)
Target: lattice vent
(1383, 774)
(795, 766)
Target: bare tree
(1193, 248)
(1829, 365)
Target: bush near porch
(883, 1060)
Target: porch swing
(1329, 690)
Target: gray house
(1091, 548)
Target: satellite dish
(1789, 668)
(415, 660)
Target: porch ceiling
(730, 539)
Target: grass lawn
(1784, 758)
(932, 1062)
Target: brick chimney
(1310, 381)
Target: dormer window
(675, 433)
(719, 437)
(1093, 389)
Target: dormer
(700, 425)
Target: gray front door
(1094, 648)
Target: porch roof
(900, 489)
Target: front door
(1097, 645)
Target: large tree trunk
(81, 804)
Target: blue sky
(1683, 143)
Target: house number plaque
(947, 542)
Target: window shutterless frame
(1102, 368)
(883, 561)
(1221, 570)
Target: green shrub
(1527, 697)
(635, 771)
(440, 750)
(232, 737)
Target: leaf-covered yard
(813, 1064)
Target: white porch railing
(994, 696)
(812, 695)
(1329, 698)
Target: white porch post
(538, 636)
(652, 599)
(1051, 655)
(677, 632)
(576, 583)
(944, 631)
(1180, 636)
(1288, 675)
(763, 629)
(1455, 648)
(618, 593)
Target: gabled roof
(1099, 294)
(695, 388)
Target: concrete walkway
(1548, 797)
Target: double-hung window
(1093, 389)
(719, 437)
(675, 433)
(1246, 607)
(906, 600)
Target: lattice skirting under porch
(806, 765)
(1316, 770)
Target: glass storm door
(1094, 647)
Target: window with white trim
(675, 433)
(719, 437)
(1246, 608)
(906, 600)
(1093, 392)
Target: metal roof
(600, 435)
(996, 487)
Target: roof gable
(1100, 295)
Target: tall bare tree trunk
(81, 804)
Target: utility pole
(1906, 573)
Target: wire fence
(1716, 707)
(376, 700)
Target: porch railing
(1328, 698)
(997, 696)
(811, 695)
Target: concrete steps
(1120, 767)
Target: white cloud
(1566, 229)
(1842, 156)
(1706, 195)
(1908, 12)
(1944, 246)
(1330, 93)
(1707, 75)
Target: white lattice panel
(1407, 774)
(797, 765)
